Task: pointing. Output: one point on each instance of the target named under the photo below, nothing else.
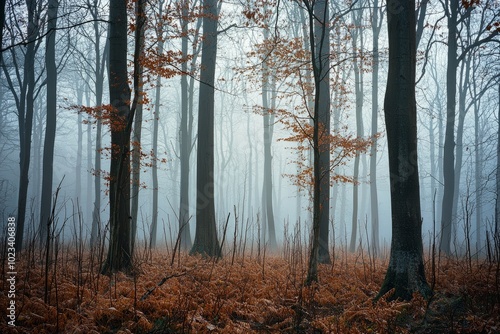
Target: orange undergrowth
(247, 296)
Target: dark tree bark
(320, 48)
(2, 22)
(322, 82)
(119, 256)
(449, 139)
(50, 127)
(206, 241)
(406, 268)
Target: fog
(238, 129)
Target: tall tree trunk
(37, 151)
(308, 79)
(185, 134)
(137, 134)
(206, 241)
(336, 126)
(2, 22)
(119, 256)
(406, 267)
(156, 120)
(249, 166)
(136, 173)
(50, 127)
(376, 26)
(462, 111)
(437, 158)
(99, 88)
(449, 139)
(267, 190)
(322, 35)
(358, 82)
(89, 159)
(497, 201)
(320, 50)
(478, 157)
(186, 128)
(78, 167)
(25, 118)
(156, 117)
(432, 153)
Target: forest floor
(244, 295)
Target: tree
(268, 104)
(2, 22)
(206, 241)
(309, 123)
(377, 19)
(156, 119)
(137, 133)
(98, 70)
(186, 128)
(320, 48)
(357, 32)
(405, 272)
(50, 128)
(24, 96)
(454, 18)
(119, 256)
(497, 175)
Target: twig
(164, 279)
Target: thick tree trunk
(119, 256)
(406, 268)
(50, 127)
(206, 241)
(322, 35)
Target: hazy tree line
(158, 119)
